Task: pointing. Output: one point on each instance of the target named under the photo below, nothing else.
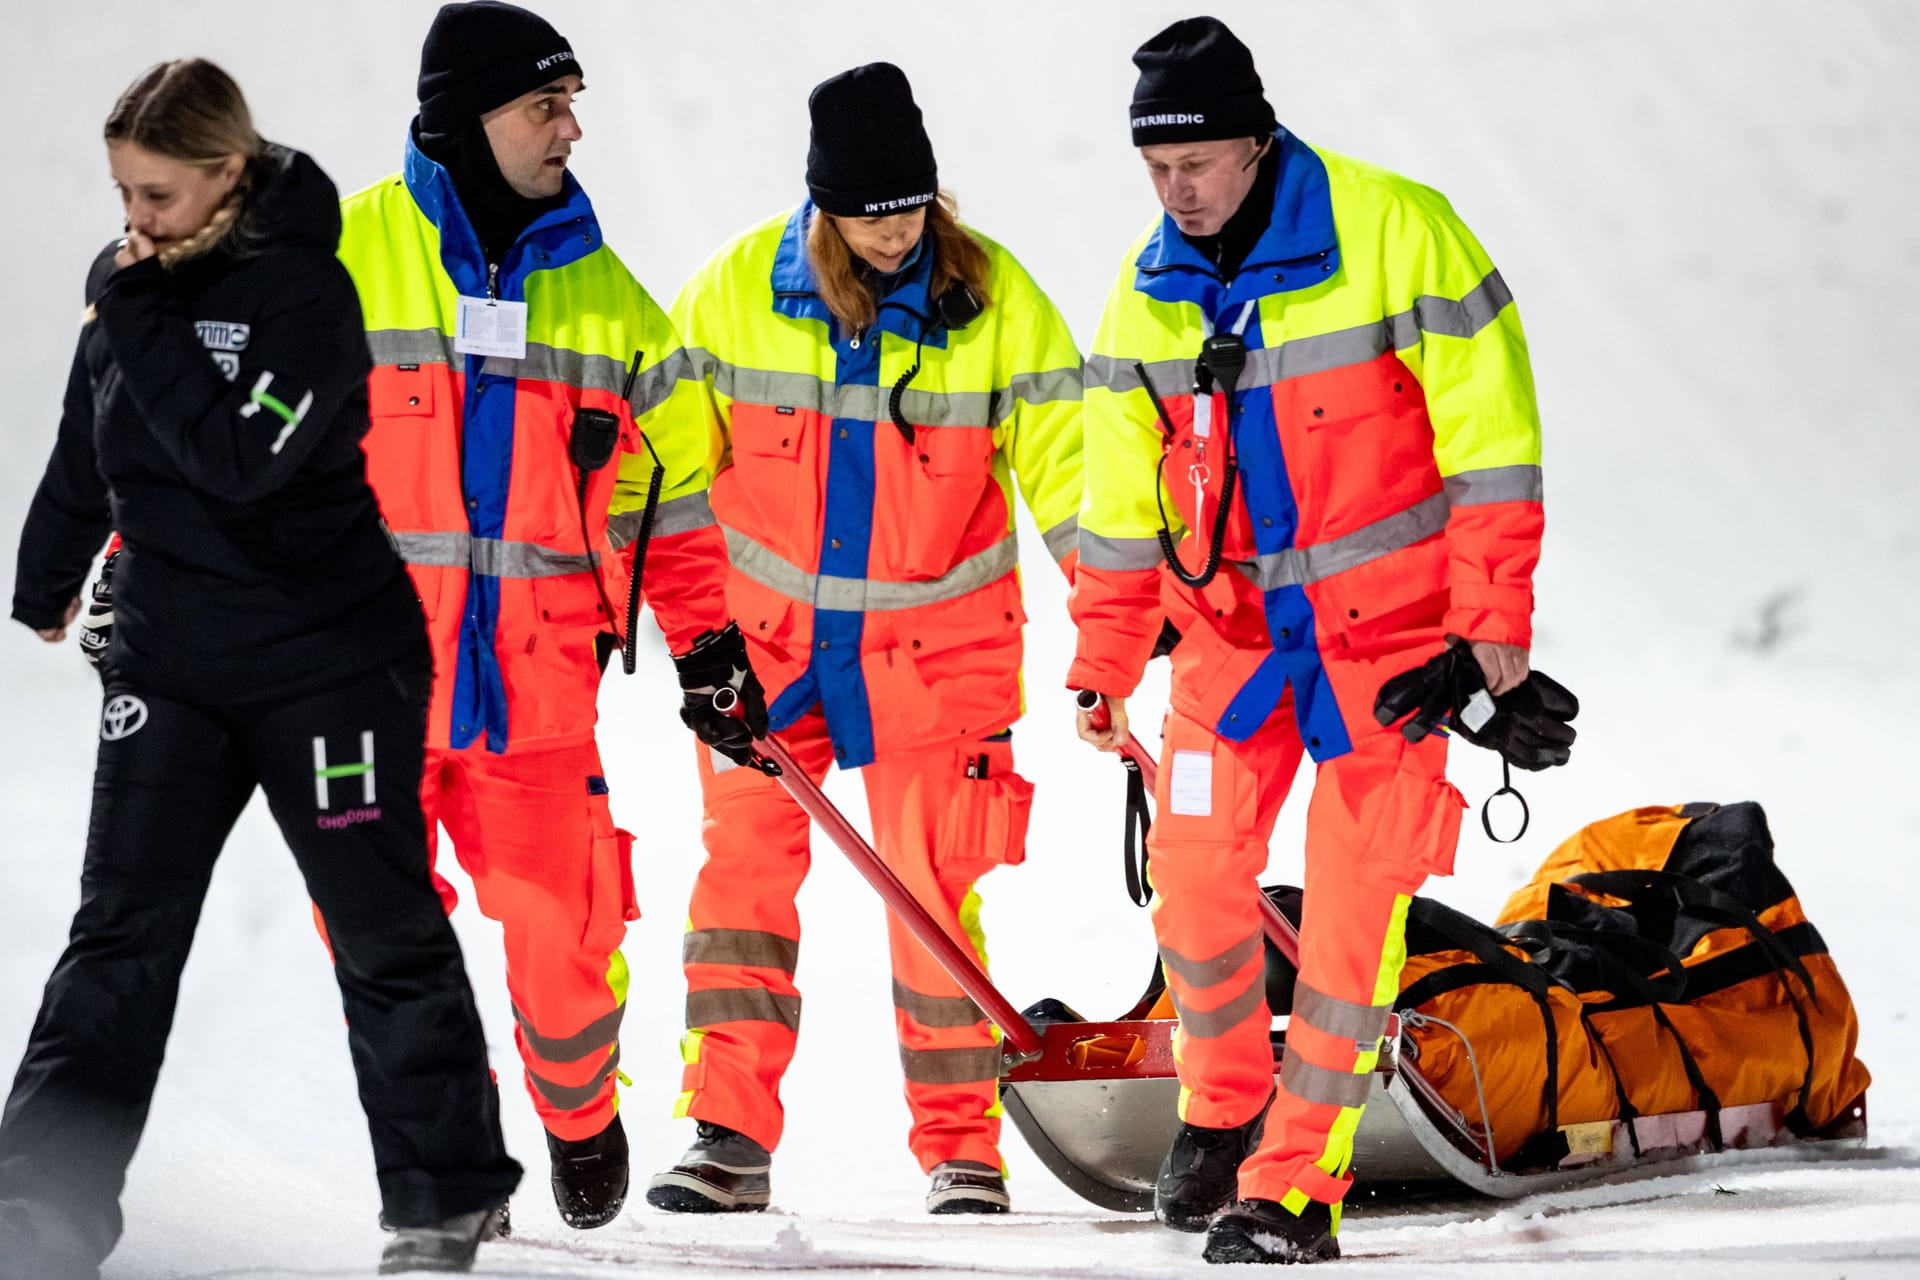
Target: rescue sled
(1096, 1100)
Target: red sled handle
(959, 963)
(1278, 928)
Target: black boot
(967, 1186)
(722, 1172)
(590, 1176)
(1264, 1231)
(1200, 1175)
(444, 1246)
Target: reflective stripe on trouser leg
(949, 1053)
(1206, 870)
(1379, 820)
(743, 941)
(535, 833)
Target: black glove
(1449, 684)
(96, 622)
(1529, 727)
(718, 660)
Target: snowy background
(1706, 213)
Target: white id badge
(1203, 416)
(486, 327)
(1190, 790)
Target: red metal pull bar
(958, 962)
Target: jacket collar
(796, 291)
(555, 239)
(1297, 251)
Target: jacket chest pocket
(402, 391)
(773, 489)
(949, 471)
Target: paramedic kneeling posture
(1311, 376)
(884, 373)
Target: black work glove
(1529, 727)
(96, 621)
(718, 660)
(1169, 637)
(1449, 684)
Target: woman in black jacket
(265, 634)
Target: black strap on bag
(1708, 903)
(1502, 965)
(1139, 823)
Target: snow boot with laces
(1264, 1231)
(1201, 1173)
(967, 1186)
(590, 1176)
(722, 1172)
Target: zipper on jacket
(493, 283)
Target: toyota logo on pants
(122, 718)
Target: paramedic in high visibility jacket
(1351, 474)
(884, 374)
(512, 354)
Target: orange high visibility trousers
(941, 820)
(534, 832)
(1381, 819)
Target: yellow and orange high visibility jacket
(1387, 442)
(469, 455)
(875, 577)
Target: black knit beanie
(1197, 84)
(868, 155)
(483, 54)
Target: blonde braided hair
(191, 111)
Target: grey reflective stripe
(656, 383)
(742, 1004)
(679, 515)
(675, 516)
(1211, 1024)
(866, 403)
(571, 1097)
(494, 557)
(499, 558)
(1044, 388)
(410, 346)
(1097, 552)
(1297, 566)
(1062, 538)
(936, 1011)
(1467, 316)
(1447, 317)
(1319, 1084)
(740, 946)
(597, 1036)
(1204, 973)
(951, 1066)
(854, 595)
(1169, 377)
(1363, 1024)
(452, 550)
(542, 362)
(1520, 483)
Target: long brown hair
(191, 111)
(957, 257)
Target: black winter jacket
(214, 416)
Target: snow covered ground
(1705, 211)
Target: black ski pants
(341, 770)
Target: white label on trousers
(719, 762)
(1190, 790)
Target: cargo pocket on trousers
(1420, 832)
(986, 821)
(611, 901)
